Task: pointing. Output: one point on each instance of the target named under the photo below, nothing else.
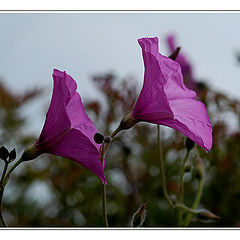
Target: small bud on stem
(189, 144)
(12, 155)
(4, 153)
(107, 139)
(98, 138)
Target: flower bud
(127, 122)
(139, 216)
(4, 153)
(107, 139)
(189, 144)
(12, 155)
(207, 215)
(98, 138)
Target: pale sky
(82, 44)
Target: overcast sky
(33, 44)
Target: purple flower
(165, 100)
(184, 63)
(68, 132)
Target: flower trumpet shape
(68, 132)
(165, 100)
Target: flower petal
(57, 121)
(191, 119)
(78, 147)
(80, 120)
(152, 101)
(165, 99)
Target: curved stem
(181, 174)
(162, 169)
(185, 208)
(195, 203)
(103, 149)
(115, 132)
(5, 180)
(3, 183)
(1, 193)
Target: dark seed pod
(98, 138)
(4, 153)
(12, 155)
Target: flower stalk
(1, 192)
(162, 169)
(181, 187)
(103, 149)
(195, 203)
(3, 183)
(104, 204)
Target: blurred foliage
(52, 191)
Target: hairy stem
(162, 169)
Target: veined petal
(79, 119)
(174, 86)
(191, 119)
(68, 131)
(152, 101)
(57, 120)
(165, 99)
(77, 147)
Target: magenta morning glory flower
(165, 100)
(68, 131)
(184, 63)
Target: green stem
(185, 208)
(195, 203)
(3, 183)
(181, 175)
(5, 180)
(162, 169)
(104, 204)
(103, 149)
(115, 132)
(181, 187)
(1, 193)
